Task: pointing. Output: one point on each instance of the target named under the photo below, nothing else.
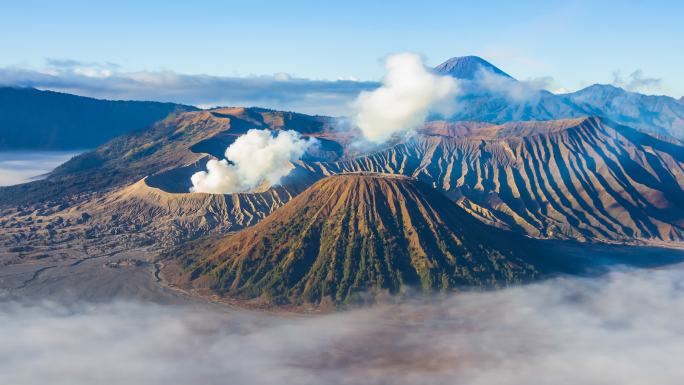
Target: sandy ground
(47, 255)
(105, 273)
(125, 275)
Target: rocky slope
(166, 218)
(134, 189)
(349, 234)
(585, 179)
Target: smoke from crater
(408, 93)
(257, 157)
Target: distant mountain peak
(603, 89)
(654, 114)
(465, 67)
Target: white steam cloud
(624, 328)
(258, 158)
(408, 93)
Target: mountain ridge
(518, 101)
(186, 139)
(658, 114)
(48, 120)
(591, 180)
(585, 179)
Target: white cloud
(282, 76)
(107, 80)
(258, 158)
(636, 82)
(408, 93)
(560, 91)
(624, 328)
(25, 166)
(518, 91)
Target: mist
(622, 328)
(637, 82)
(26, 166)
(515, 91)
(258, 158)
(408, 93)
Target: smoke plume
(257, 158)
(408, 93)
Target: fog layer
(24, 166)
(623, 328)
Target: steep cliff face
(351, 234)
(586, 179)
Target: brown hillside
(349, 234)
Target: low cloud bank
(259, 157)
(107, 80)
(624, 328)
(408, 93)
(515, 91)
(25, 166)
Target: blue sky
(576, 43)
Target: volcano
(350, 235)
(467, 67)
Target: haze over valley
(439, 222)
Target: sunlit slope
(584, 178)
(351, 234)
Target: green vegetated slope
(352, 234)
